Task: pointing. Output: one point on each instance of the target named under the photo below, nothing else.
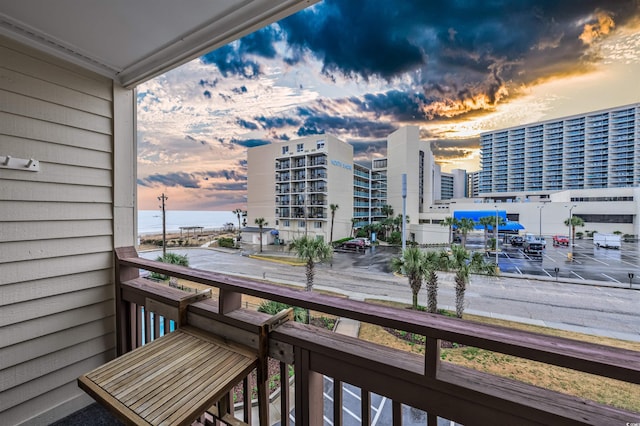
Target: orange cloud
(591, 32)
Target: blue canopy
(475, 215)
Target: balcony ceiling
(132, 41)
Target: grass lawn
(606, 391)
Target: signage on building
(339, 163)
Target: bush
(226, 242)
(396, 238)
(270, 307)
(172, 258)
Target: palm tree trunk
(460, 289)
(432, 292)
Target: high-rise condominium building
(599, 149)
(293, 184)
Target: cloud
(227, 174)
(178, 179)
(247, 124)
(249, 143)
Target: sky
(361, 69)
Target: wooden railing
(423, 382)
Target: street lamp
(496, 229)
(540, 230)
(570, 234)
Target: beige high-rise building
(293, 184)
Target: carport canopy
(475, 215)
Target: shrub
(396, 238)
(172, 258)
(226, 242)
(270, 307)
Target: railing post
(309, 391)
(432, 357)
(123, 311)
(229, 301)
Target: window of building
(320, 144)
(300, 147)
(285, 149)
(301, 224)
(317, 225)
(285, 223)
(276, 222)
(606, 218)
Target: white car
(367, 242)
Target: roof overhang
(132, 41)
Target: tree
(333, 208)
(387, 210)
(354, 221)
(451, 222)
(575, 221)
(463, 264)
(412, 264)
(239, 213)
(433, 261)
(261, 224)
(172, 258)
(311, 250)
(486, 221)
(465, 225)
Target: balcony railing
(424, 381)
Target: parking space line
(576, 275)
(351, 413)
(327, 420)
(611, 278)
(379, 411)
(606, 264)
(518, 269)
(629, 263)
(352, 393)
(550, 258)
(545, 271)
(329, 397)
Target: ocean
(150, 221)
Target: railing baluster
(365, 411)
(147, 326)
(139, 322)
(284, 395)
(337, 402)
(156, 325)
(396, 413)
(246, 400)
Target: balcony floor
(93, 414)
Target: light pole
(496, 229)
(404, 212)
(540, 230)
(570, 234)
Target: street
(592, 309)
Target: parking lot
(589, 262)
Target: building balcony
(147, 310)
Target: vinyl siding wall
(56, 233)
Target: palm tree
(465, 225)
(261, 224)
(412, 264)
(451, 222)
(387, 210)
(354, 221)
(463, 264)
(311, 250)
(575, 221)
(333, 208)
(486, 221)
(239, 213)
(433, 261)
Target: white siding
(56, 232)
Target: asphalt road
(594, 309)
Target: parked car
(354, 244)
(562, 240)
(516, 240)
(367, 242)
(533, 247)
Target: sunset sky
(361, 69)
